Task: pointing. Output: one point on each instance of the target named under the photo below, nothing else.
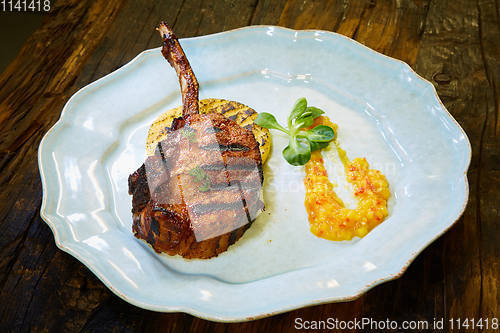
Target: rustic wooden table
(455, 44)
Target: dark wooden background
(455, 44)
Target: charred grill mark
(213, 130)
(244, 185)
(227, 109)
(155, 226)
(150, 236)
(213, 167)
(163, 210)
(202, 209)
(243, 118)
(151, 240)
(233, 117)
(221, 147)
(233, 166)
(248, 175)
(249, 111)
(245, 204)
(218, 244)
(160, 150)
(232, 237)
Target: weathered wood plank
(267, 12)
(323, 15)
(27, 87)
(489, 161)
(131, 32)
(31, 97)
(450, 56)
(197, 17)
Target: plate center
(279, 240)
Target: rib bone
(172, 51)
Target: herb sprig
(189, 133)
(202, 178)
(301, 142)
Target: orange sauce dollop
(328, 216)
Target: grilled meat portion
(202, 188)
(196, 201)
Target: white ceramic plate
(385, 112)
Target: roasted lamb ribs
(202, 188)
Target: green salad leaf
(301, 141)
(267, 120)
(298, 151)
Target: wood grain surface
(455, 44)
